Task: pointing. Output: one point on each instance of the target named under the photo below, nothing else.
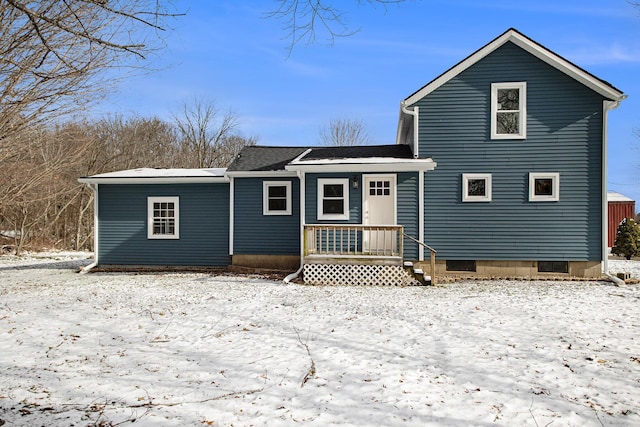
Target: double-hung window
(509, 110)
(333, 199)
(276, 198)
(163, 217)
(476, 187)
(544, 187)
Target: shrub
(627, 241)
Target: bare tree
(303, 19)
(344, 132)
(52, 51)
(208, 135)
(37, 182)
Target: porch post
(301, 178)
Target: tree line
(43, 205)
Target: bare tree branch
(304, 19)
(344, 132)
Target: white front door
(379, 209)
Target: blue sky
(230, 53)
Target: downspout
(413, 112)
(421, 214)
(301, 179)
(606, 107)
(231, 214)
(94, 188)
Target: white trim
(304, 153)
(421, 214)
(262, 174)
(231, 213)
(265, 197)
(364, 165)
(465, 187)
(522, 111)
(606, 106)
(416, 132)
(303, 212)
(554, 176)
(533, 48)
(163, 199)
(96, 206)
(345, 197)
(152, 180)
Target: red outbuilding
(620, 207)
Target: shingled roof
(258, 158)
(363, 151)
(261, 158)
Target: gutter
(606, 107)
(413, 112)
(94, 188)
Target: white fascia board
(261, 174)
(366, 165)
(567, 67)
(153, 180)
(535, 49)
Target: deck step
(408, 264)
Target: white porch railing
(351, 240)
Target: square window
(162, 218)
(544, 187)
(509, 110)
(276, 198)
(333, 199)
(476, 187)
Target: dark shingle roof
(361, 151)
(256, 158)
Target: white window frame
(345, 196)
(465, 187)
(522, 123)
(265, 197)
(155, 199)
(554, 176)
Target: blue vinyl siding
(311, 199)
(407, 204)
(204, 225)
(564, 134)
(407, 210)
(255, 233)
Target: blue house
(499, 166)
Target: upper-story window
(163, 219)
(276, 198)
(509, 110)
(333, 198)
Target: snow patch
(198, 349)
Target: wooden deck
(358, 245)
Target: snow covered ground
(194, 349)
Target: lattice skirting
(358, 275)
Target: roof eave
(153, 180)
(539, 51)
(259, 174)
(401, 165)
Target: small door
(380, 209)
